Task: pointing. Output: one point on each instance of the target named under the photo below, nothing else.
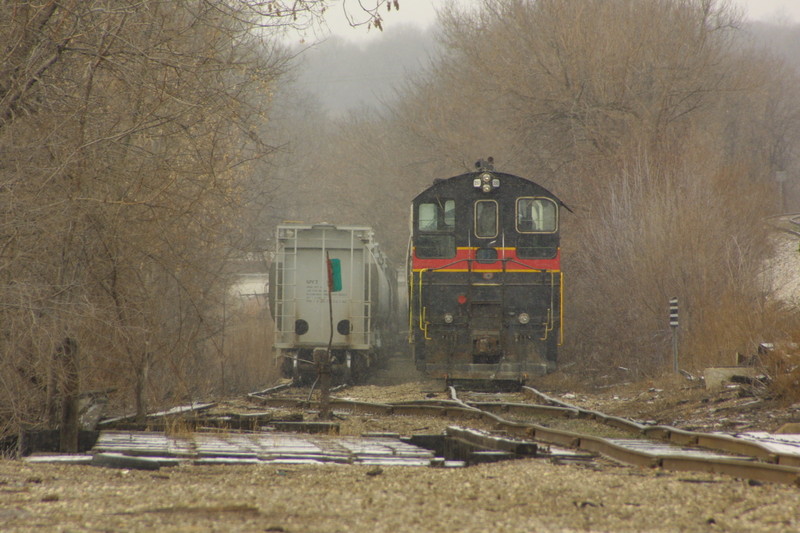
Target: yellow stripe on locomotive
(485, 281)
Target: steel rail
(751, 459)
(680, 437)
(790, 218)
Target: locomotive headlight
(486, 182)
(524, 318)
(448, 318)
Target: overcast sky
(423, 13)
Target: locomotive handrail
(467, 259)
(411, 308)
(512, 260)
(549, 323)
(561, 309)
(423, 326)
(421, 308)
(469, 262)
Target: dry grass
(178, 426)
(675, 230)
(248, 360)
(782, 365)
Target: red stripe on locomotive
(465, 256)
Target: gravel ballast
(521, 495)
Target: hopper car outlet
(485, 282)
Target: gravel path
(513, 496)
(524, 495)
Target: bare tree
(628, 103)
(128, 132)
(655, 121)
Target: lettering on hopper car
(315, 292)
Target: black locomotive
(485, 281)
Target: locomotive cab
(485, 286)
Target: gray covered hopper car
(364, 312)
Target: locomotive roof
(441, 185)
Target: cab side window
(536, 215)
(435, 223)
(437, 216)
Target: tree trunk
(67, 355)
(141, 380)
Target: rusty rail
(657, 446)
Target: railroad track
(492, 426)
(788, 223)
(761, 458)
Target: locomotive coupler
(486, 345)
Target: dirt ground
(513, 496)
(524, 495)
(678, 402)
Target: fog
(146, 150)
(346, 75)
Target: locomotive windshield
(536, 215)
(485, 219)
